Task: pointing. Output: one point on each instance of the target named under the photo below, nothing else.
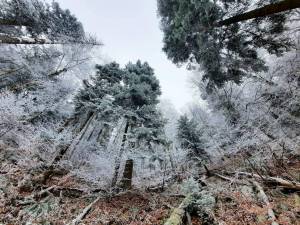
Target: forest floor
(60, 198)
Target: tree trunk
(92, 132)
(83, 133)
(126, 181)
(82, 125)
(103, 135)
(70, 148)
(262, 12)
(86, 127)
(118, 159)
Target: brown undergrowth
(19, 202)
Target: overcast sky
(130, 31)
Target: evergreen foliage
(99, 96)
(130, 93)
(190, 138)
(226, 53)
(41, 20)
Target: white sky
(130, 31)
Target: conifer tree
(43, 23)
(130, 94)
(190, 138)
(138, 100)
(225, 53)
(98, 96)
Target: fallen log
(224, 177)
(85, 212)
(266, 201)
(230, 179)
(284, 183)
(177, 216)
(43, 193)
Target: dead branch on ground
(85, 212)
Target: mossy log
(178, 214)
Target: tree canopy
(44, 24)
(131, 93)
(191, 35)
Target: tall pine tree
(130, 94)
(190, 139)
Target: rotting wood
(82, 125)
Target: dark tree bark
(118, 159)
(262, 12)
(126, 181)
